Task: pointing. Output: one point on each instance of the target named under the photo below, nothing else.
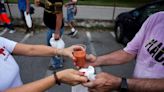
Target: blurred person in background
(71, 13)
(5, 19)
(24, 6)
(53, 19)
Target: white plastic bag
(89, 72)
(57, 43)
(28, 19)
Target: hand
(71, 77)
(104, 83)
(27, 11)
(57, 36)
(91, 60)
(69, 51)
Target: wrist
(118, 83)
(57, 77)
(98, 61)
(123, 85)
(57, 32)
(59, 52)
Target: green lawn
(123, 3)
(111, 2)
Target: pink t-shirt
(148, 46)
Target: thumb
(91, 58)
(89, 64)
(88, 84)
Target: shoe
(55, 67)
(73, 33)
(27, 32)
(12, 31)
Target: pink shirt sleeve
(135, 44)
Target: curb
(88, 23)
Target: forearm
(70, 3)
(37, 86)
(117, 57)
(27, 4)
(34, 50)
(41, 50)
(146, 85)
(59, 19)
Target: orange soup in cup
(80, 56)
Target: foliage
(125, 3)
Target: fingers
(80, 73)
(81, 78)
(91, 57)
(76, 47)
(89, 84)
(72, 57)
(92, 90)
(57, 37)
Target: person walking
(71, 13)
(5, 19)
(24, 7)
(53, 19)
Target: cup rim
(82, 45)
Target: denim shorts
(70, 14)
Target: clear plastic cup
(80, 56)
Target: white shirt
(9, 69)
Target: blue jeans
(55, 62)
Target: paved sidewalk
(84, 12)
(87, 16)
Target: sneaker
(73, 33)
(12, 31)
(55, 67)
(27, 32)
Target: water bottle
(58, 60)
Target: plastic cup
(80, 56)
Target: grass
(122, 3)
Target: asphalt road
(97, 41)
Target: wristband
(56, 78)
(124, 85)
